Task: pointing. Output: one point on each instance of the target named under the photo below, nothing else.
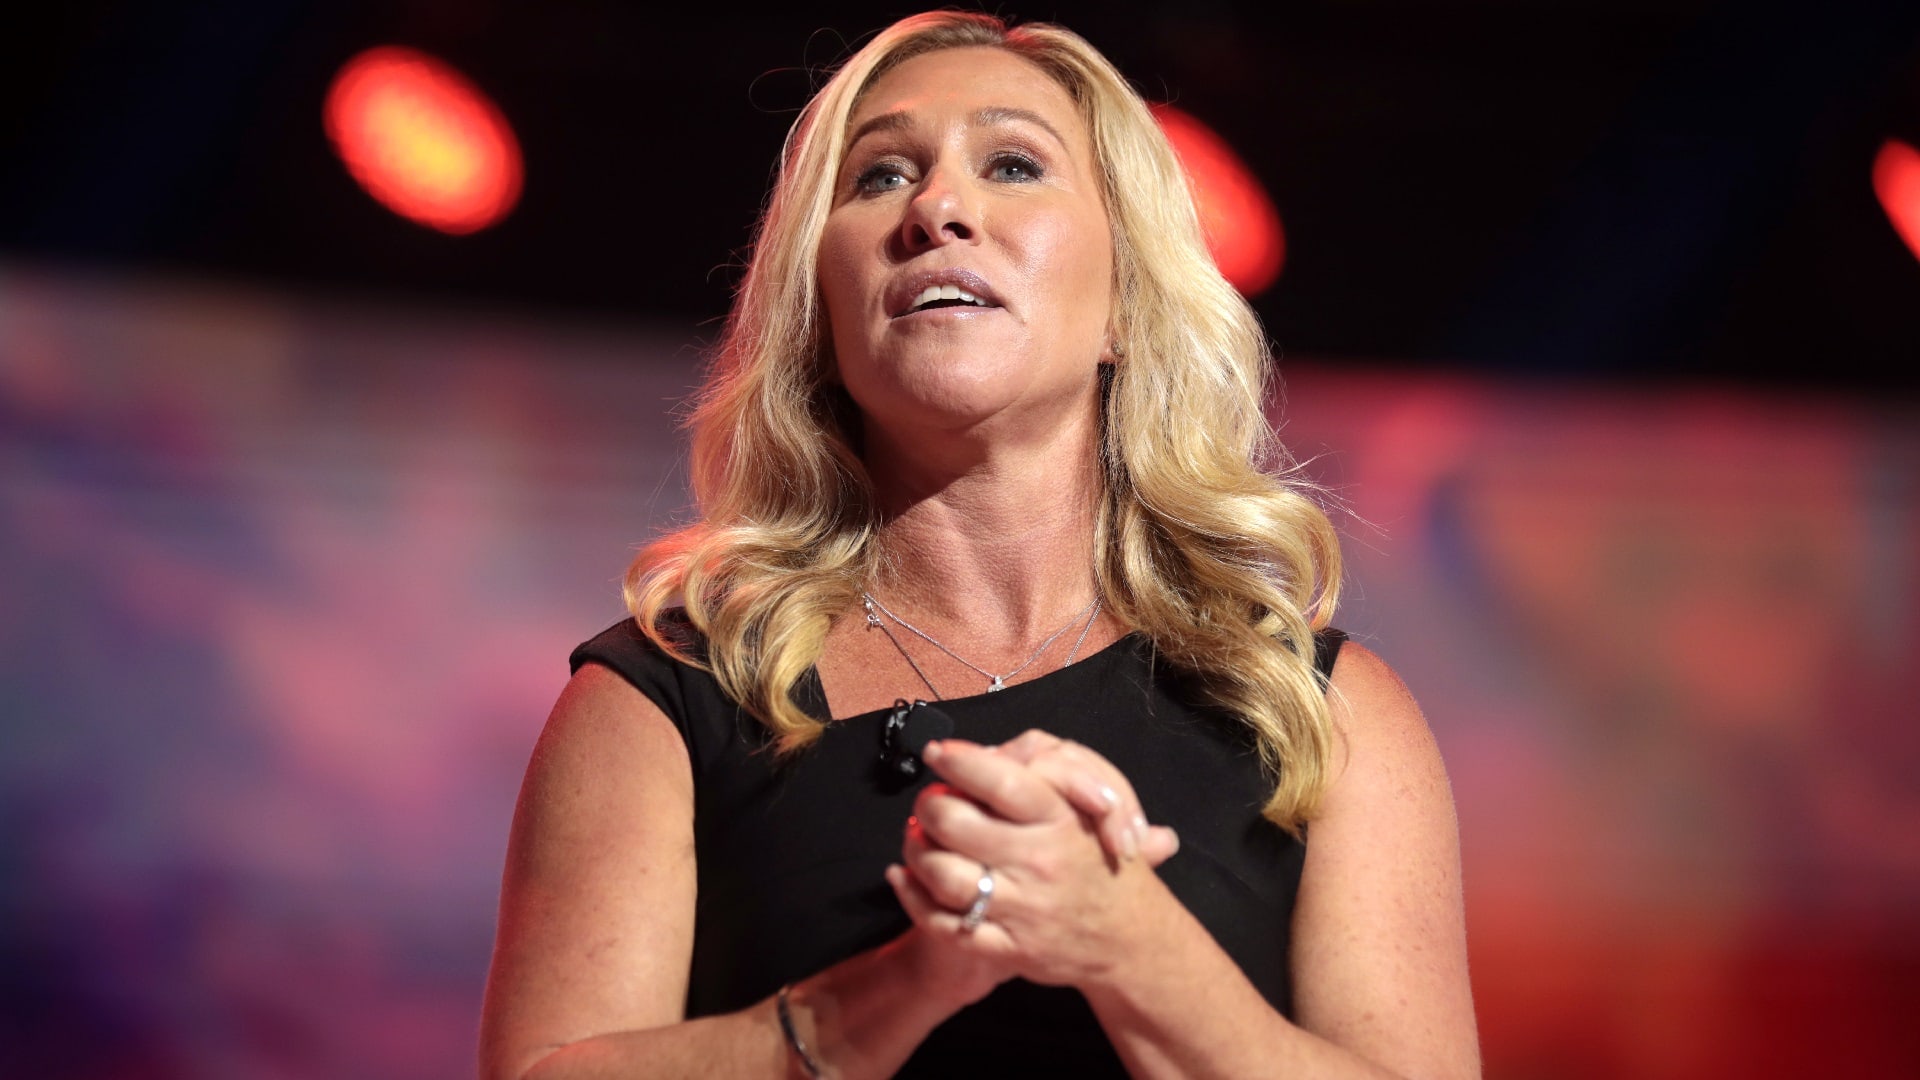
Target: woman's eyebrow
(991, 115)
(1004, 114)
(886, 121)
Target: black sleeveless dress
(790, 855)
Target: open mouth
(944, 296)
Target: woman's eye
(1015, 168)
(877, 178)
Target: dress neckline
(816, 701)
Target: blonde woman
(985, 433)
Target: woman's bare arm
(595, 941)
(1379, 938)
(1379, 965)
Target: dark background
(1668, 190)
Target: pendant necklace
(875, 609)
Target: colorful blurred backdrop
(293, 550)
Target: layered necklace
(875, 609)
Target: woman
(985, 418)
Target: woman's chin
(921, 420)
(959, 428)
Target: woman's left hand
(1062, 912)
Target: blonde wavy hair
(1210, 544)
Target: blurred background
(341, 348)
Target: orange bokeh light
(1242, 226)
(1896, 180)
(422, 139)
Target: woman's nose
(941, 212)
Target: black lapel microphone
(908, 730)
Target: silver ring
(982, 896)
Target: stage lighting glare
(1242, 226)
(423, 140)
(1896, 180)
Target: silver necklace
(875, 609)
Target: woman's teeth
(934, 293)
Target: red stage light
(1242, 225)
(423, 140)
(1896, 180)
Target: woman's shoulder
(1362, 683)
(1327, 644)
(1383, 734)
(625, 646)
(666, 667)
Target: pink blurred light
(1896, 180)
(1242, 225)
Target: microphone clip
(906, 732)
(893, 749)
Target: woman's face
(967, 264)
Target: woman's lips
(911, 294)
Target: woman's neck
(1000, 544)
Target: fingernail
(1140, 824)
(932, 752)
(1130, 844)
(1109, 796)
(1176, 841)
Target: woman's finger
(987, 938)
(1116, 818)
(948, 819)
(1161, 844)
(950, 879)
(1090, 794)
(1024, 746)
(921, 908)
(995, 781)
(1096, 788)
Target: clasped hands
(1069, 851)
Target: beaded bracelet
(811, 1066)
